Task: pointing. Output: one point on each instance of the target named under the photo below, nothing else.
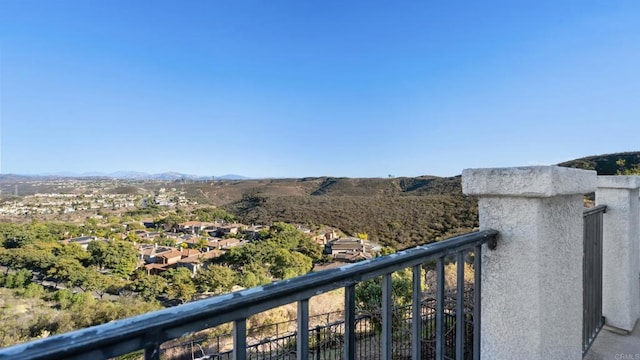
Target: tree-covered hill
(397, 221)
(399, 212)
(607, 164)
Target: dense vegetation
(609, 164)
(282, 252)
(398, 221)
(48, 287)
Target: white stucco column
(621, 250)
(532, 282)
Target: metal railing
(150, 330)
(592, 320)
(327, 339)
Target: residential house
(169, 259)
(149, 235)
(253, 232)
(303, 229)
(227, 229)
(194, 227)
(195, 262)
(225, 244)
(155, 269)
(350, 249)
(149, 253)
(83, 241)
(322, 237)
(175, 255)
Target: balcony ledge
(610, 345)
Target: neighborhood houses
(196, 244)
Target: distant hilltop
(128, 175)
(607, 164)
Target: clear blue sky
(309, 88)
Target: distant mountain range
(129, 175)
(606, 164)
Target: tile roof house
(83, 241)
(224, 244)
(349, 249)
(149, 253)
(194, 227)
(197, 261)
(173, 256)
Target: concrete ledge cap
(618, 182)
(532, 181)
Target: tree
(132, 236)
(254, 275)
(149, 287)
(119, 256)
(286, 236)
(73, 250)
(309, 248)
(181, 286)
(202, 243)
(134, 225)
(68, 271)
(92, 281)
(216, 279)
(10, 259)
(90, 225)
(624, 170)
(288, 264)
(15, 236)
(369, 293)
(30, 257)
(97, 253)
(171, 221)
(18, 280)
(212, 214)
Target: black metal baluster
(387, 316)
(440, 309)
(349, 322)
(477, 299)
(416, 318)
(302, 343)
(460, 307)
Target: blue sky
(310, 88)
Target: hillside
(397, 221)
(399, 212)
(607, 164)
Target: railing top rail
(131, 334)
(594, 210)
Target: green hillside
(608, 164)
(399, 212)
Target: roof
(155, 266)
(197, 258)
(171, 254)
(155, 250)
(195, 223)
(82, 238)
(190, 252)
(227, 242)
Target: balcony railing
(150, 330)
(592, 319)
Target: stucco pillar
(621, 250)
(532, 282)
